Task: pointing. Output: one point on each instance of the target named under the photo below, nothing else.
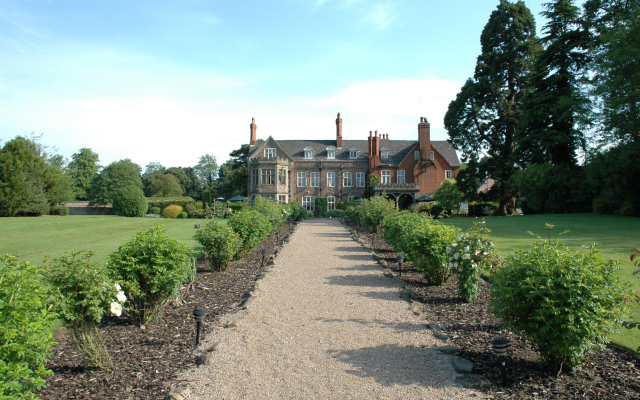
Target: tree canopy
(82, 169)
(113, 179)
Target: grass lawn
(33, 238)
(617, 237)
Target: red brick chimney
(338, 131)
(252, 140)
(424, 138)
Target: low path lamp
(277, 238)
(198, 314)
(400, 260)
(500, 348)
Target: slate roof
(398, 150)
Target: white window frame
(360, 179)
(314, 179)
(302, 179)
(432, 155)
(308, 154)
(331, 179)
(353, 154)
(384, 154)
(270, 153)
(331, 154)
(448, 174)
(385, 177)
(416, 155)
(282, 173)
(268, 178)
(400, 173)
(308, 202)
(282, 198)
(331, 202)
(347, 179)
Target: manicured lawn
(617, 237)
(34, 238)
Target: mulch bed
(148, 360)
(613, 373)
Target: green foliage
(449, 196)
(163, 202)
(82, 169)
(468, 180)
(374, 210)
(155, 210)
(152, 172)
(183, 215)
(232, 177)
(321, 206)
(207, 197)
(172, 211)
(150, 268)
(130, 202)
(26, 321)
(275, 212)
(207, 171)
(470, 254)
(219, 243)
(59, 210)
(58, 185)
(252, 226)
(297, 212)
(355, 213)
(553, 189)
(566, 302)
(342, 205)
(188, 180)
(166, 186)
(373, 181)
(114, 179)
(483, 118)
(190, 209)
(336, 213)
(482, 208)
(83, 293)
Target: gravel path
(325, 323)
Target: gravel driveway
(325, 323)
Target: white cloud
(381, 15)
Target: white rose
(454, 245)
(116, 309)
(448, 250)
(466, 248)
(121, 297)
(455, 256)
(455, 265)
(118, 288)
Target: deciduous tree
(82, 169)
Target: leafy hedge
(336, 213)
(163, 202)
(219, 243)
(130, 202)
(252, 227)
(322, 206)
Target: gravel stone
(326, 324)
(461, 365)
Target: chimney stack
(339, 131)
(252, 140)
(424, 138)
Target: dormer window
(269, 153)
(384, 153)
(353, 153)
(331, 153)
(308, 153)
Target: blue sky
(169, 81)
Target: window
(384, 153)
(416, 155)
(350, 198)
(269, 153)
(432, 155)
(302, 179)
(282, 198)
(447, 174)
(308, 203)
(282, 176)
(386, 177)
(401, 177)
(268, 176)
(347, 179)
(331, 154)
(314, 179)
(360, 179)
(308, 153)
(353, 153)
(331, 202)
(254, 177)
(331, 179)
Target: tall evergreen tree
(483, 118)
(557, 102)
(232, 180)
(82, 169)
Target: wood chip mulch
(612, 373)
(148, 360)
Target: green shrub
(321, 206)
(627, 209)
(155, 210)
(252, 227)
(601, 206)
(59, 210)
(482, 208)
(238, 206)
(567, 302)
(219, 243)
(26, 321)
(183, 215)
(199, 214)
(355, 213)
(199, 205)
(470, 254)
(150, 268)
(190, 209)
(172, 211)
(398, 226)
(207, 196)
(296, 211)
(448, 196)
(130, 202)
(426, 245)
(374, 211)
(163, 202)
(272, 210)
(83, 293)
(336, 213)
(342, 205)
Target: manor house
(300, 170)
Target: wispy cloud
(381, 15)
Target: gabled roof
(262, 144)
